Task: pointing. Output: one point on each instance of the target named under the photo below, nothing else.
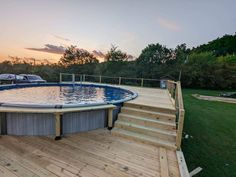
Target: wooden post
(81, 79)
(3, 123)
(180, 128)
(58, 128)
(142, 82)
(181, 113)
(84, 77)
(119, 80)
(60, 79)
(176, 96)
(73, 78)
(100, 79)
(110, 118)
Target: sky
(43, 28)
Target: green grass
(212, 129)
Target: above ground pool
(62, 95)
(59, 109)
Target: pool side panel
(30, 124)
(84, 121)
(44, 123)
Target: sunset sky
(42, 28)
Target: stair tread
(166, 132)
(147, 119)
(150, 106)
(149, 112)
(139, 136)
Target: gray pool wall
(44, 123)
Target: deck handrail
(84, 77)
(175, 91)
(117, 77)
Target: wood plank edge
(183, 169)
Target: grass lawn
(212, 129)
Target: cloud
(98, 54)
(49, 48)
(171, 25)
(61, 38)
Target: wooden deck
(151, 97)
(99, 152)
(154, 97)
(94, 153)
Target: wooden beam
(180, 128)
(60, 80)
(163, 163)
(142, 82)
(195, 171)
(110, 118)
(58, 127)
(181, 113)
(182, 164)
(119, 80)
(100, 79)
(53, 110)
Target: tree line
(211, 65)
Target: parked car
(30, 78)
(22, 78)
(9, 78)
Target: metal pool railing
(142, 82)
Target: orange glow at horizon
(53, 58)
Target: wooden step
(170, 110)
(143, 138)
(149, 114)
(154, 132)
(147, 122)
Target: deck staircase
(147, 124)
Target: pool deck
(154, 97)
(151, 97)
(94, 153)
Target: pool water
(64, 95)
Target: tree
(155, 54)
(225, 45)
(175, 65)
(73, 56)
(205, 70)
(115, 55)
(152, 59)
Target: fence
(142, 82)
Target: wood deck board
(154, 97)
(151, 97)
(95, 153)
